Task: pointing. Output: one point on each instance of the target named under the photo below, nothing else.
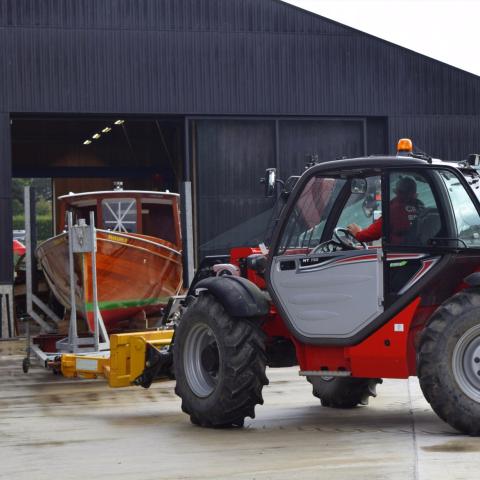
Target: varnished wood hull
(134, 273)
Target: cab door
(414, 229)
(326, 292)
(443, 221)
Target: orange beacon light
(404, 145)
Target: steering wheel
(347, 235)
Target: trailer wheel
(219, 365)
(344, 392)
(26, 365)
(449, 362)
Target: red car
(18, 248)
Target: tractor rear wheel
(344, 392)
(449, 362)
(219, 363)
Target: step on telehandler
(348, 305)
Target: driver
(404, 209)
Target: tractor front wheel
(449, 362)
(344, 392)
(219, 363)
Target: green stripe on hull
(113, 305)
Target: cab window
(414, 217)
(306, 223)
(467, 219)
(363, 209)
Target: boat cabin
(154, 214)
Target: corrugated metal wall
(450, 137)
(230, 158)
(211, 56)
(224, 57)
(328, 139)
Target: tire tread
(246, 357)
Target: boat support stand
(82, 239)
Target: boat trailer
(123, 359)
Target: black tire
(448, 355)
(344, 392)
(219, 382)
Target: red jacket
(371, 233)
(402, 215)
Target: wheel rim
(202, 360)
(466, 363)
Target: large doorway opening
(82, 153)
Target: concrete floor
(52, 428)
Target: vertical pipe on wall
(365, 137)
(277, 144)
(187, 211)
(6, 251)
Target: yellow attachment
(127, 354)
(126, 361)
(85, 366)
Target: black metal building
(234, 86)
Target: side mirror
(474, 159)
(270, 181)
(358, 185)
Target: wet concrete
(52, 428)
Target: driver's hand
(353, 228)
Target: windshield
(467, 218)
(307, 221)
(364, 207)
(328, 203)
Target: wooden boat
(138, 254)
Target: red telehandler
(347, 312)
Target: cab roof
(373, 162)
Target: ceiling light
(119, 122)
(87, 142)
(106, 129)
(96, 136)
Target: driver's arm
(369, 234)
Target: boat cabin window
(81, 212)
(120, 214)
(157, 219)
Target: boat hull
(135, 273)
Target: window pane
(120, 214)
(307, 221)
(466, 215)
(363, 208)
(158, 220)
(414, 215)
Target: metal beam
(6, 239)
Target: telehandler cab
(347, 312)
